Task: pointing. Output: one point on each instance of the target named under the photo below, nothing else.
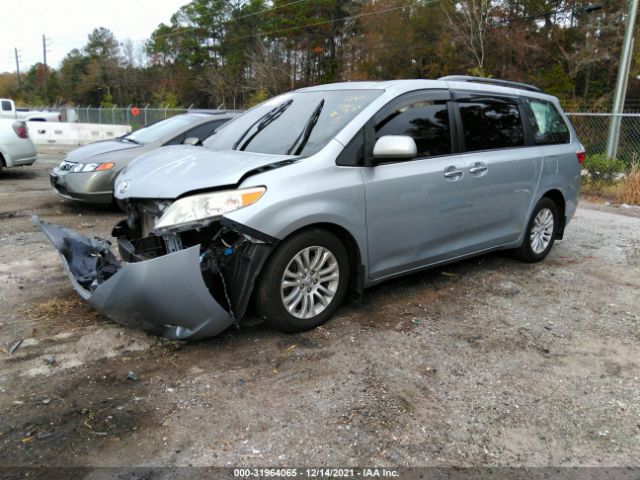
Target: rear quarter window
(548, 126)
(6, 106)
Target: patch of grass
(603, 171)
(630, 191)
(600, 193)
(66, 309)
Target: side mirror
(395, 146)
(193, 141)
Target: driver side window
(426, 121)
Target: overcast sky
(66, 23)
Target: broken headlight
(200, 210)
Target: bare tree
(471, 20)
(269, 69)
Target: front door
(415, 208)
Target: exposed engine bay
(231, 255)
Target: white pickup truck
(8, 110)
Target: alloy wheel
(309, 282)
(541, 231)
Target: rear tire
(304, 281)
(541, 232)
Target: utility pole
(18, 69)
(587, 10)
(44, 55)
(621, 85)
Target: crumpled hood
(86, 153)
(169, 172)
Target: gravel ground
(486, 362)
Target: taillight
(582, 155)
(21, 129)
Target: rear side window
(491, 124)
(6, 106)
(548, 125)
(427, 122)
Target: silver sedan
(88, 172)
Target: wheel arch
(557, 197)
(357, 271)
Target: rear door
(415, 207)
(503, 166)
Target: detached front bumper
(165, 296)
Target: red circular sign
(135, 111)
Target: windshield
(298, 123)
(160, 130)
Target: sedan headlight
(200, 210)
(92, 167)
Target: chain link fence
(135, 116)
(592, 127)
(593, 132)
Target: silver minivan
(322, 192)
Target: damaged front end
(184, 285)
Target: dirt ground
(487, 362)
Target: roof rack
(490, 81)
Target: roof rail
(490, 81)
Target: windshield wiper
(128, 139)
(303, 138)
(261, 123)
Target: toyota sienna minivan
(322, 192)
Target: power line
(233, 19)
(142, 81)
(71, 39)
(314, 24)
(348, 17)
(276, 31)
(298, 27)
(182, 30)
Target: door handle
(478, 169)
(453, 173)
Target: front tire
(304, 282)
(541, 232)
